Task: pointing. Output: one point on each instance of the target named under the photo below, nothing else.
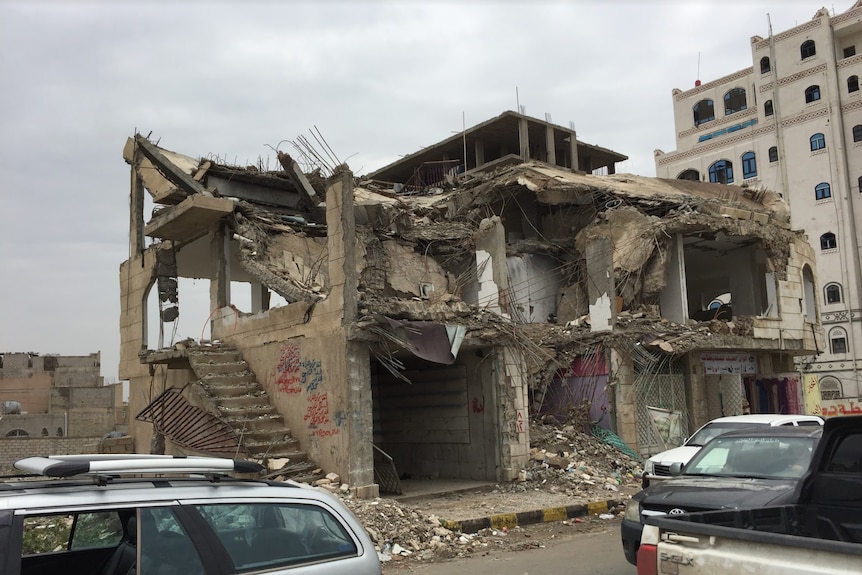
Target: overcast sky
(379, 79)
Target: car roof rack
(106, 466)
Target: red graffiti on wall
(325, 432)
(478, 405)
(317, 412)
(289, 374)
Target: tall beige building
(792, 122)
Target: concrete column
(573, 151)
(600, 289)
(479, 151)
(259, 297)
(348, 225)
(550, 145)
(673, 302)
(361, 451)
(136, 215)
(220, 258)
(523, 139)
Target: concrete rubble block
(276, 463)
(333, 477)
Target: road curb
(530, 517)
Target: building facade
(792, 123)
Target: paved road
(598, 553)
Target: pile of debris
(564, 462)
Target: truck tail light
(647, 560)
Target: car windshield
(716, 428)
(765, 457)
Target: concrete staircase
(231, 391)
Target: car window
(767, 457)
(264, 535)
(808, 423)
(712, 430)
(848, 455)
(166, 548)
(72, 531)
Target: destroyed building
(427, 320)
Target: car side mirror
(675, 468)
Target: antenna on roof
(769, 24)
(697, 81)
(517, 100)
(548, 118)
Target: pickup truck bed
(821, 534)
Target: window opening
(773, 154)
(818, 142)
(828, 241)
(767, 108)
(833, 293)
(764, 65)
(857, 133)
(749, 165)
(704, 111)
(822, 191)
(838, 340)
(807, 49)
(812, 94)
(734, 101)
(853, 84)
(690, 174)
(849, 51)
(721, 172)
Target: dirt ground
(566, 467)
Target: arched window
(857, 133)
(812, 94)
(828, 241)
(764, 65)
(859, 184)
(833, 293)
(734, 101)
(773, 154)
(837, 340)
(853, 84)
(767, 108)
(818, 142)
(689, 174)
(721, 172)
(808, 294)
(44, 432)
(822, 191)
(807, 49)
(749, 165)
(704, 111)
(830, 388)
(17, 433)
(59, 432)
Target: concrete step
(233, 389)
(232, 368)
(277, 442)
(258, 435)
(259, 423)
(229, 379)
(241, 401)
(249, 411)
(214, 356)
(274, 451)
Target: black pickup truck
(820, 532)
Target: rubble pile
(565, 461)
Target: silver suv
(177, 516)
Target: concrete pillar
(673, 302)
(479, 151)
(523, 139)
(600, 289)
(220, 258)
(259, 297)
(550, 145)
(361, 452)
(573, 151)
(136, 215)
